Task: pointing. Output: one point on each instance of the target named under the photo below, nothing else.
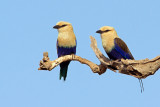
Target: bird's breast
(108, 44)
(66, 40)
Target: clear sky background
(26, 32)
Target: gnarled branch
(46, 64)
(136, 68)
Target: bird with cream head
(115, 47)
(66, 44)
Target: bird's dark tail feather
(63, 70)
(141, 85)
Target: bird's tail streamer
(141, 85)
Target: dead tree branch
(136, 68)
(46, 64)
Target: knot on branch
(45, 63)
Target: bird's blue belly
(66, 51)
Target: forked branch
(136, 68)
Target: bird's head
(63, 26)
(107, 31)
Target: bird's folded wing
(122, 48)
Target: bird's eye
(107, 30)
(63, 25)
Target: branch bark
(136, 68)
(46, 64)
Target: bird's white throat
(108, 41)
(66, 39)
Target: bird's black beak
(56, 27)
(99, 31)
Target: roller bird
(66, 44)
(115, 47)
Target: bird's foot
(73, 56)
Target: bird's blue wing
(121, 47)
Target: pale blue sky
(26, 32)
